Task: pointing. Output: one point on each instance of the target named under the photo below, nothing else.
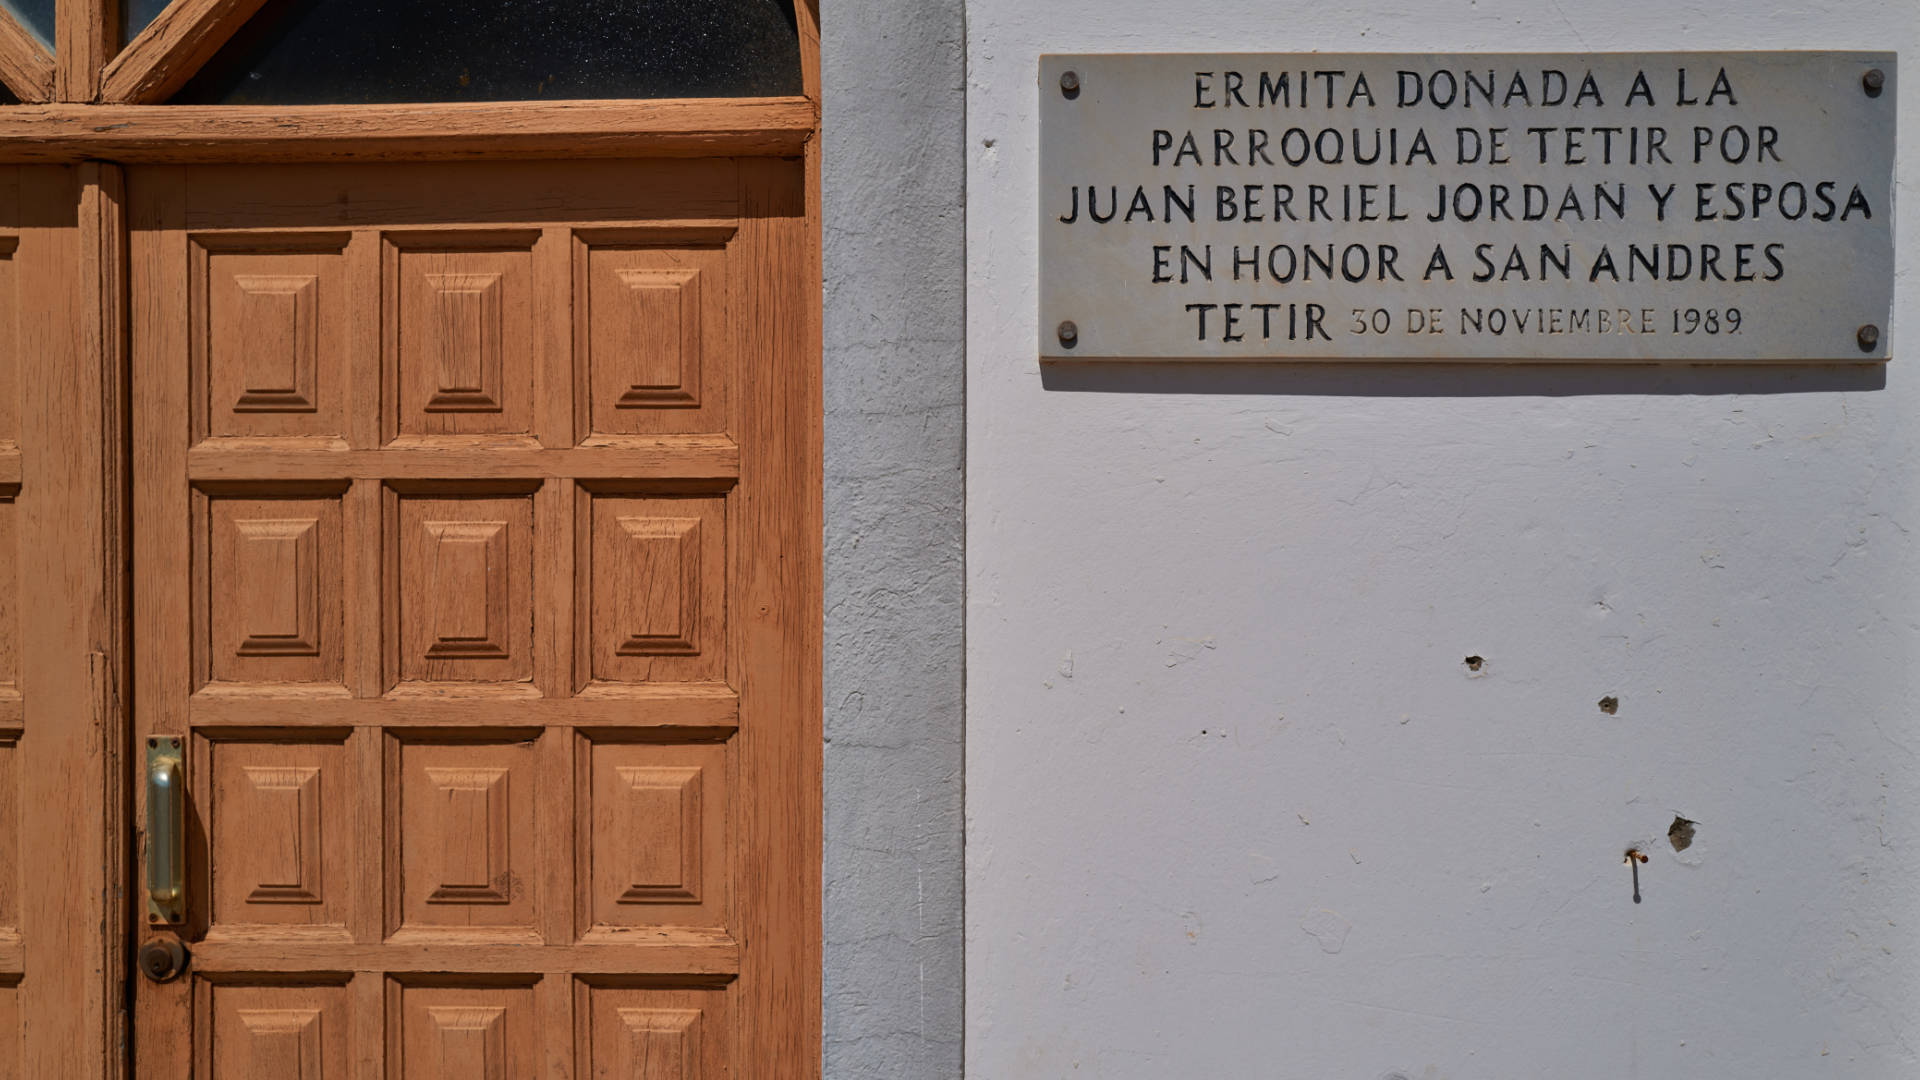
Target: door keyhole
(161, 961)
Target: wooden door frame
(86, 106)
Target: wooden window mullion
(86, 34)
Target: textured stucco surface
(1236, 805)
(893, 173)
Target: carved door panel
(476, 571)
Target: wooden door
(476, 563)
(60, 975)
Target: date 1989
(1500, 322)
(1706, 320)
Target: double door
(458, 716)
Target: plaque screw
(1070, 84)
(1069, 333)
(1868, 337)
(1873, 81)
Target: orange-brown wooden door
(476, 563)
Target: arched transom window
(312, 52)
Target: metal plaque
(1622, 206)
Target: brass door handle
(166, 832)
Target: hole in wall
(1680, 833)
(1610, 705)
(1475, 663)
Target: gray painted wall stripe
(893, 179)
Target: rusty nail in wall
(1634, 858)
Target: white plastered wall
(894, 260)
(1237, 807)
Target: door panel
(477, 564)
(59, 817)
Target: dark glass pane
(136, 14)
(352, 51)
(36, 16)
